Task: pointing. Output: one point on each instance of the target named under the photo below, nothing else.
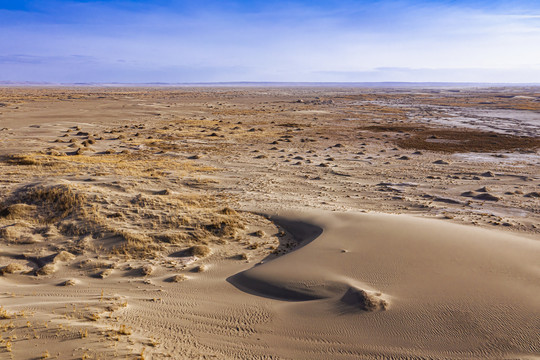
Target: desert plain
(269, 223)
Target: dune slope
(399, 285)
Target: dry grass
(53, 201)
(4, 314)
(64, 256)
(13, 268)
(228, 211)
(140, 164)
(48, 269)
(157, 222)
(129, 217)
(124, 330)
(199, 251)
(22, 159)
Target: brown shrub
(199, 251)
(13, 268)
(53, 201)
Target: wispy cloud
(180, 41)
(33, 59)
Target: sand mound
(486, 196)
(63, 256)
(17, 211)
(48, 269)
(69, 282)
(13, 268)
(176, 278)
(52, 200)
(364, 300)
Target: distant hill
(388, 84)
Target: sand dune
(450, 290)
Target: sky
(183, 41)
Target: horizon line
(273, 83)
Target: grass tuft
(199, 251)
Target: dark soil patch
(394, 128)
(461, 141)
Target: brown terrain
(269, 223)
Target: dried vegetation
(108, 206)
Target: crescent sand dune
(447, 290)
(269, 223)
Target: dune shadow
(303, 233)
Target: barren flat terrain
(269, 223)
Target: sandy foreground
(269, 223)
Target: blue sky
(215, 41)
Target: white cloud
(288, 44)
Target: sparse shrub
(171, 238)
(4, 314)
(177, 278)
(105, 273)
(13, 268)
(69, 282)
(46, 270)
(94, 317)
(147, 270)
(53, 201)
(199, 269)
(223, 225)
(124, 330)
(199, 251)
(64, 256)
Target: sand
(431, 289)
(294, 223)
